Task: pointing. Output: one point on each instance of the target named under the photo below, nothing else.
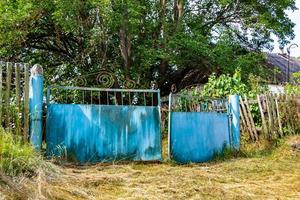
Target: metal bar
(103, 89)
(122, 98)
(107, 98)
(48, 96)
(169, 126)
(145, 102)
(129, 98)
(99, 97)
(152, 99)
(66, 98)
(91, 97)
(158, 98)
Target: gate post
(234, 107)
(36, 106)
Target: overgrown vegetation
(260, 172)
(293, 88)
(171, 42)
(17, 157)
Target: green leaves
(148, 39)
(226, 85)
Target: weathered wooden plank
(7, 94)
(274, 115)
(251, 119)
(263, 119)
(279, 118)
(243, 125)
(270, 118)
(252, 101)
(26, 102)
(18, 98)
(244, 112)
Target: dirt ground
(275, 175)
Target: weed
(17, 157)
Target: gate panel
(103, 133)
(198, 136)
(198, 128)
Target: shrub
(293, 88)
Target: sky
(295, 17)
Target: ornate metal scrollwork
(105, 79)
(129, 84)
(81, 81)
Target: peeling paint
(198, 136)
(98, 133)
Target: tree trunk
(178, 10)
(125, 47)
(163, 63)
(125, 40)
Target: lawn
(267, 174)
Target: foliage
(144, 40)
(16, 157)
(293, 88)
(225, 85)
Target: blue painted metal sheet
(198, 136)
(99, 133)
(36, 110)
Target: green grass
(16, 157)
(259, 171)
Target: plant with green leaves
(17, 157)
(293, 88)
(145, 40)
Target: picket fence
(14, 97)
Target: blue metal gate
(198, 128)
(99, 125)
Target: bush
(293, 88)
(16, 157)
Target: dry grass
(272, 175)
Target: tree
(139, 39)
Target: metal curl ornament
(81, 81)
(105, 79)
(173, 88)
(129, 84)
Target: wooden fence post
(263, 119)
(251, 119)
(278, 117)
(244, 112)
(26, 102)
(7, 94)
(18, 98)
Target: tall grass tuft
(17, 157)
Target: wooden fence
(14, 97)
(270, 116)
